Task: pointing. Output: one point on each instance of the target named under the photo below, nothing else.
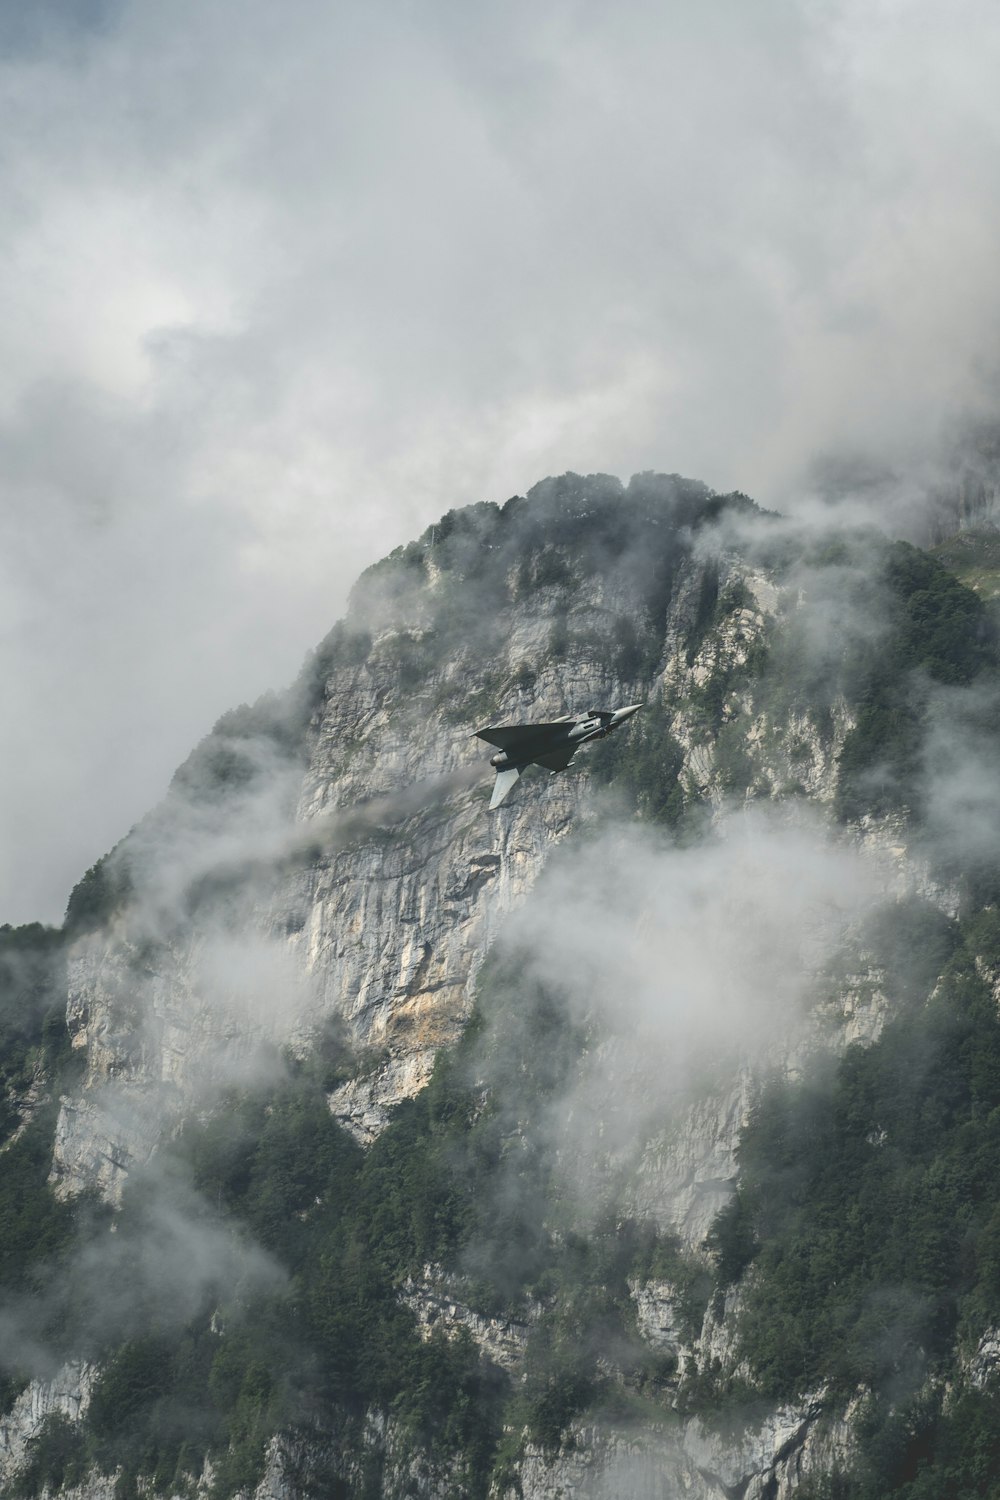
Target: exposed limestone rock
(35, 1096)
(160, 1033)
(686, 1174)
(95, 1487)
(362, 1104)
(598, 1464)
(386, 928)
(660, 1320)
(327, 1464)
(438, 1308)
(67, 1392)
(744, 1459)
(989, 975)
(827, 1446)
(985, 1362)
(718, 1349)
(662, 1460)
(396, 932)
(905, 869)
(860, 1008)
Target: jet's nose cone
(626, 713)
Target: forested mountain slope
(635, 1139)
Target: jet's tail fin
(504, 783)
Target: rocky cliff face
(66, 1394)
(357, 890)
(386, 926)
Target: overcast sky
(282, 283)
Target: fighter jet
(550, 745)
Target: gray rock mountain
(324, 881)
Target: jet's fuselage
(551, 745)
(574, 734)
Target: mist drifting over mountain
(633, 1138)
(279, 288)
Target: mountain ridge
(296, 924)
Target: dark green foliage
(629, 660)
(734, 763)
(868, 1199)
(568, 531)
(39, 1236)
(343, 647)
(547, 568)
(460, 1178)
(11, 1387)
(34, 1226)
(733, 1238)
(165, 1399)
(415, 1203)
(708, 700)
(104, 890)
(409, 657)
(244, 746)
(557, 1392)
(659, 1257)
(217, 767)
(941, 625)
(56, 1457)
(507, 1226)
(643, 762)
(36, 1231)
(588, 1323)
(34, 1043)
(34, 1052)
(937, 631)
(704, 616)
(137, 1376)
(714, 604)
(347, 1228)
(928, 1447)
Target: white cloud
(280, 286)
(714, 945)
(680, 967)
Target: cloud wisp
(681, 968)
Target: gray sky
(280, 284)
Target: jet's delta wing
(556, 760)
(552, 745)
(513, 736)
